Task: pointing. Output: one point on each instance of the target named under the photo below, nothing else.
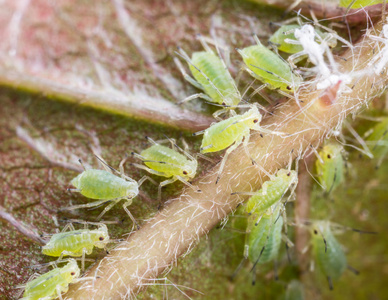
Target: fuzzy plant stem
(175, 230)
(159, 111)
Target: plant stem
(175, 229)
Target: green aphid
(231, 132)
(269, 68)
(278, 39)
(327, 251)
(52, 284)
(212, 76)
(106, 187)
(76, 243)
(295, 291)
(163, 161)
(358, 3)
(330, 167)
(271, 192)
(378, 139)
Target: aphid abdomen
(266, 234)
(333, 261)
(269, 68)
(211, 66)
(100, 184)
(174, 161)
(223, 134)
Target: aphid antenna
(184, 56)
(317, 154)
(291, 7)
(257, 260)
(181, 179)
(199, 133)
(81, 163)
(189, 156)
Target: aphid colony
(265, 209)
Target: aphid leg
(68, 226)
(107, 167)
(144, 178)
(186, 76)
(258, 91)
(275, 270)
(245, 145)
(162, 184)
(246, 253)
(74, 190)
(204, 44)
(150, 140)
(223, 161)
(199, 95)
(295, 58)
(87, 205)
(200, 155)
(330, 283)
(59, 292)
(83, 166)
(83, 260)
(129, 213)
(181, 179)
(220, 112)
(108, 207)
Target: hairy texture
(329, 9)
(175, 229)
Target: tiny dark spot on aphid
(223, 103)
(328, 156)
(101, 238)
(255, 120)
(72, 273)
(288, 88)
(261, 135)
(185, 172)
(315, 231)
(289, 173)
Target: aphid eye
(288, 88)
(255, 120)
(315, 231)
(101, 238)
(328, 156)
(185, 172)
(72, 273)
(289, 173)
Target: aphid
(212, 76)
(231, 132)
(271, 69)
(52, 284)
(163, 161)
(287, 32)
(330, 167)
(271, 192)
(106, 187)
(327, 251)
(77, 243)
(295, 291)
(380, 60)
(358, 3)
